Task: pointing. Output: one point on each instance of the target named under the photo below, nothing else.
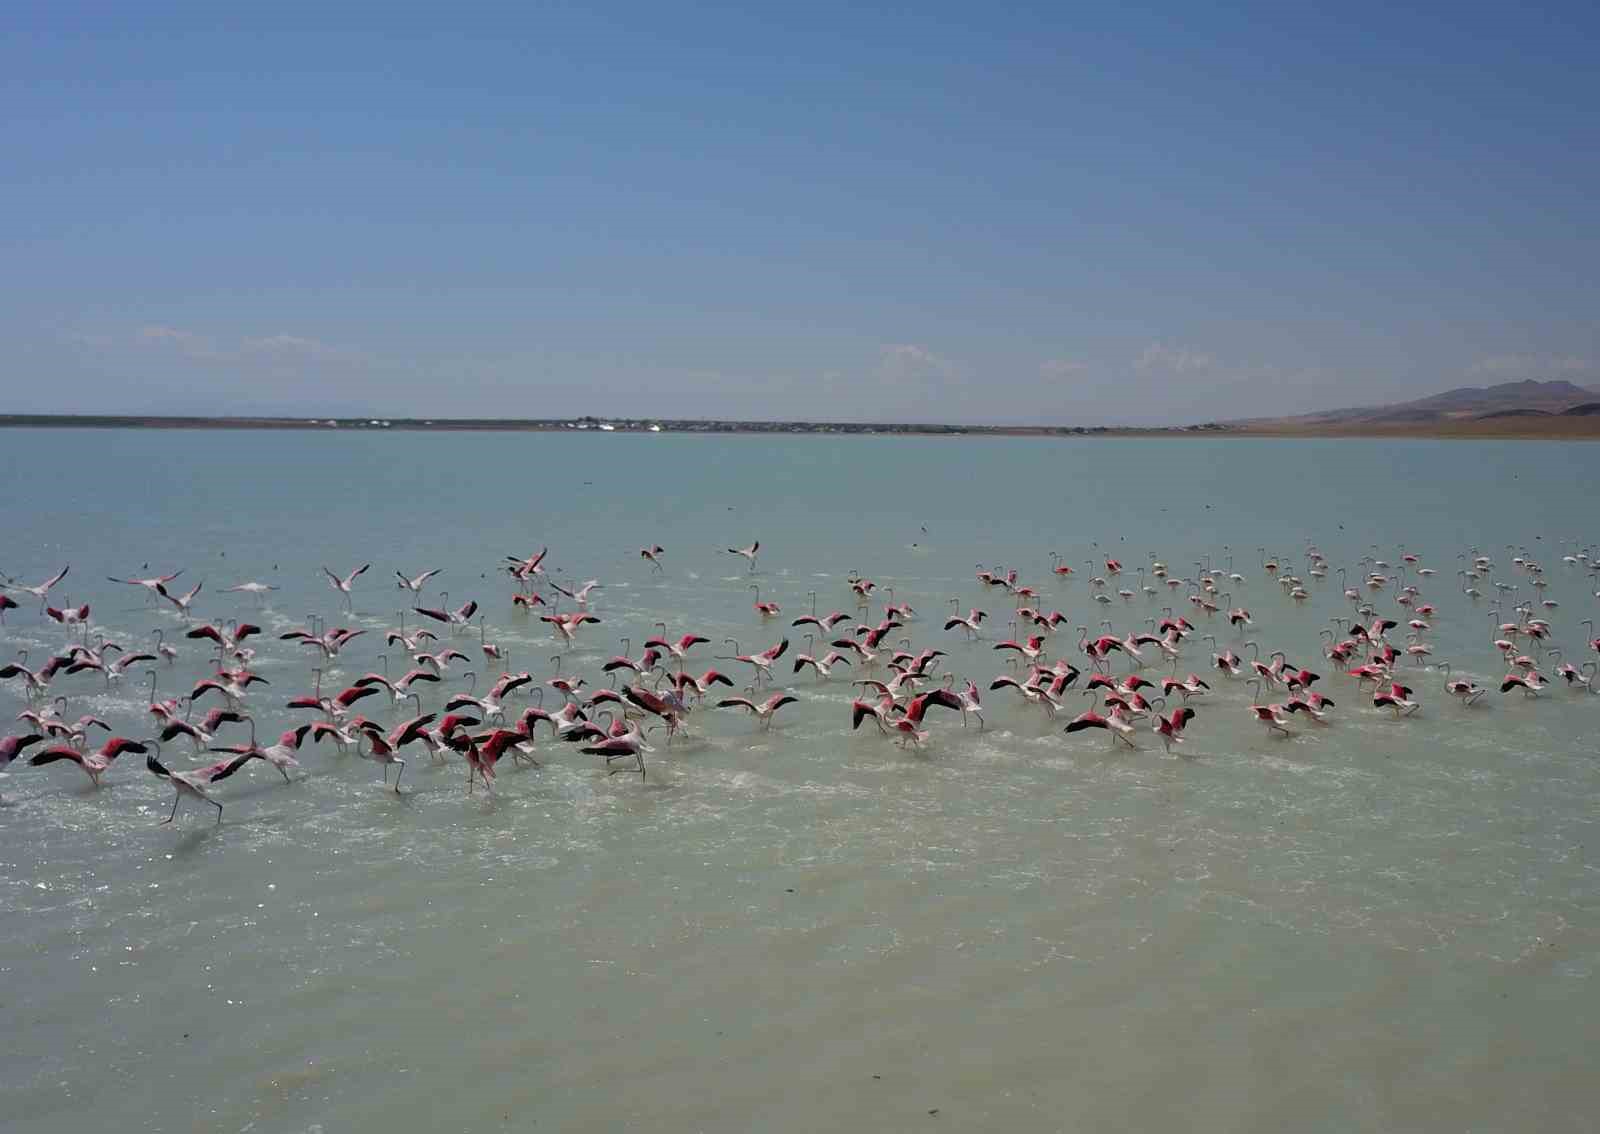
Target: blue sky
(1096, 214)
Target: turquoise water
(1374, 924)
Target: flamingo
(194, 784)
(42, 589)
(93, 764)
(1032, 649)
(764, 609)
(1170, 728)
(343, 585)
(971, 623)
(250, 588)
(1118, 728)
(764, 711)
(68, 616)
(280, 755)
(415, 583)
(13, 746)
(525, 569)
(653, 553)
(678, 649)
(824, 666)
(749, 553)
(411, 642)
(1397, 697)
(150, 585)
(826, 622)
(630, 743)
(457, 619)
(1467, 692)
(487, 704)
(762, 661)
(1190, 686)
(703, 684)
(202, 734)
(344, 736)
(1532, 683)
(670, 711)
(1032, 691)
(180, 602)
(906, 725)
(382, 753)
(439, 663)
(970, 701)
(1583, 675)
(567, 624)
(579, 595)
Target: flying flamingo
(763, 711)
(251, 588)
(456, 619)
(970, 701)
(653, 553)
(343, 585)
(749, 553)
(93, 764)
(194, 784)
(1118, 728)
(382, 753)
(280, 755)
(41, 590)
(628, 744)
(906, 725)
(1396, 698)
(70, 615)
(1033, 649)
(1531, 683)
(13, 746)
(181, 602)
(150, 584)
(824, 666)
(415, 583)
(567, 624)
(703, 684)
(971, 623)
(412, 642)
(1171, 727)
(1467, 692)
(762, 661)
(678, 649)
(203, 733)
(525, 569)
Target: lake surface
(1377, 924)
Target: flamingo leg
(174, 814)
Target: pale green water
(1375, 925)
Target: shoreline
(1552, 428)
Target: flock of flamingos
(1131, 679)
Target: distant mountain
(1509, 399)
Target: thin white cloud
(187, 343)
(1062, 367)
(279, 350)
(909, 362)
(1176, 360)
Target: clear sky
(934, 212)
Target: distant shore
(1553, 427)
